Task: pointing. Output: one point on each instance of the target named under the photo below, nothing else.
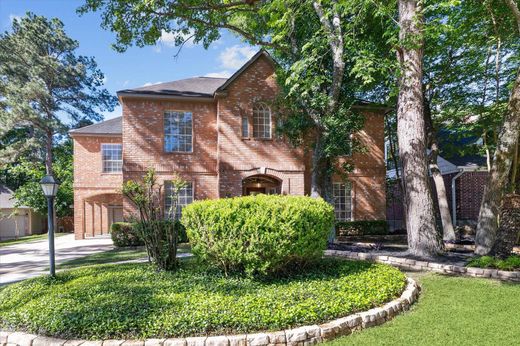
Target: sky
(137, 66)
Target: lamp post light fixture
(50, 188)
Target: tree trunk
(499, 175)
(509, 230)
(48, 152)
(423, 237)
(448, 233)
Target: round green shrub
(260, 234)
(133, 300)
(123, 234)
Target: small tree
(156, 225)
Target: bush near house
(363, 227)
(258, 235)
(124, 234)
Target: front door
(254, 190)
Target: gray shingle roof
(189, 87)
(107, 127)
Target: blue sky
(137, 66)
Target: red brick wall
(221, 158)
(92, 187)
(239, 157)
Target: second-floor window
(178, 131)
(245, 127)
(112, 156)
(342, 195)
(261, 121)
(185, 197)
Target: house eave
(122, 96)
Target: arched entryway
(261, 183)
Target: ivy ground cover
(134, 301)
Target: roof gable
(258, 55)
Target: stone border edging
(415, 265)
(301, 336)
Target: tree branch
(516, 12)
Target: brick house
(219, 135)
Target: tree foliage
(29, 173)
(45, 87)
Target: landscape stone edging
(301, 336)
(417, 265)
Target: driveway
(26, 260)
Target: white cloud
(151, 83)
(220, 74)
(105, 80)
(235, 56)
(167, 39)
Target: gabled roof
(189, 87)
(7, 199)
(254, 58)
(108, 127)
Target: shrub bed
(363, 227)
(511, 263)
(123, 234)
(258, 234)
(133, 301)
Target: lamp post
(50, 188)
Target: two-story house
(219, 135)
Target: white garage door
(14, 226)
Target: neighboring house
(18, 221)
(464, 177)
(219, 135)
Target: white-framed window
(342, 195)
(178, 131)
(245, 127)
(261, 121)
(112, 157)
(185, 197)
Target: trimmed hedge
(123, 234)
(258, 234)
(363, 227)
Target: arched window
(261, 121)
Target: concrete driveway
(26, 260)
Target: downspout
(454, 196)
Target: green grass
(451, 311)
(133, 300)
(114, 255)
(27, 239)
(510, 263)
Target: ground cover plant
(450, 311)
(258, 235)
(510, 263)
(132, 301)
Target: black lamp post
(50, 188)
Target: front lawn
(115, 255)
(29, 238)
(451, 311)
(135, 301)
